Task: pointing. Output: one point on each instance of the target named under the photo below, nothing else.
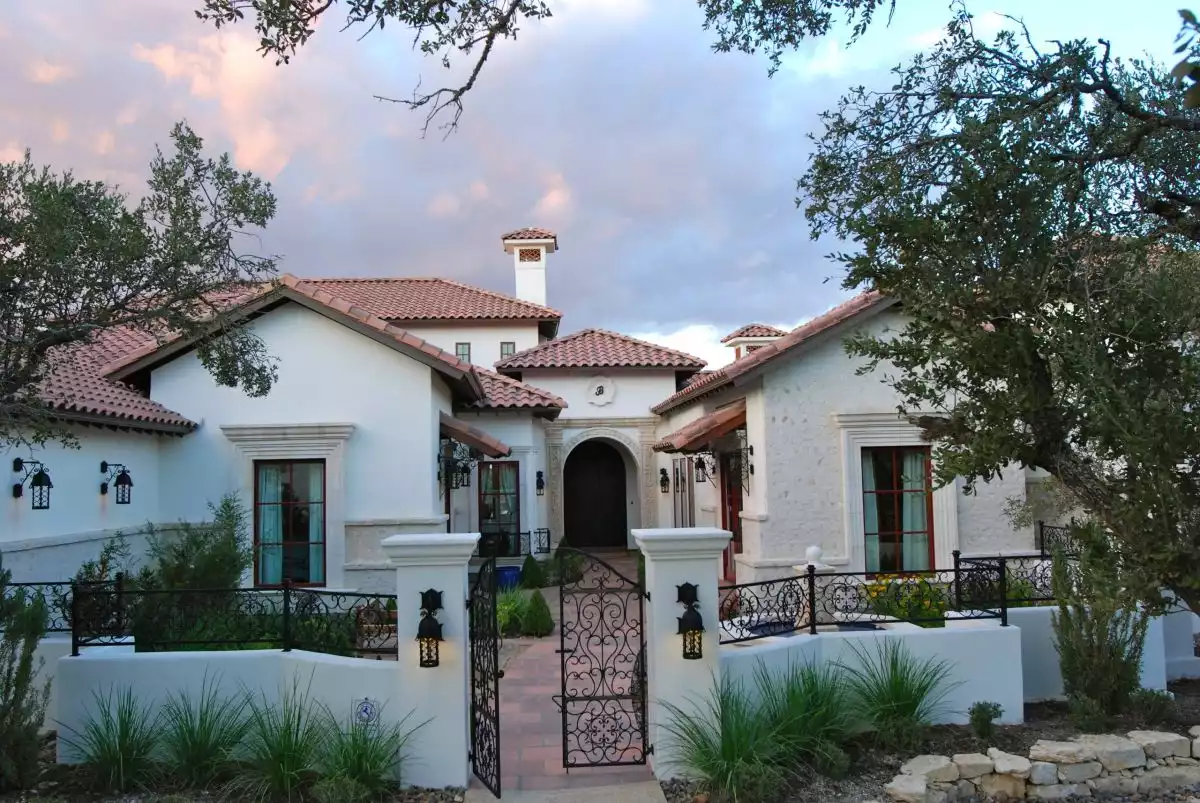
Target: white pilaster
(673, 557)
(438, 752)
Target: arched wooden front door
(594, 513)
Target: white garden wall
(985, 661)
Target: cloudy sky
(668, 171)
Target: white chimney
(529, 247)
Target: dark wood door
(594, 496)
(731, 509)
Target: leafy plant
(118, 745)
(909, 599)
(511, 604)
(210, 555)
(366, 759)
(567, 564)
(536, 620)
(810, 711)
(98, 609)
(1099, 630)
(983, 719)
(1153, 706)
(200, 736)
(1088, 715)
(897, 693)
(532, 575)
(23, 617)
(283, 744)
(722, 740)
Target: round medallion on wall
(601, 391)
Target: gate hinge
(650, 750)
(647, 595)
(467, 603)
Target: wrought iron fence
(1048, 539)
(156, 620)
(1027, 579)
(861, 601)
(57, 598)
(514, 544)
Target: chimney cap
(531, 235)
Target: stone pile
(1142, 762)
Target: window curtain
(316, 524)
(913, 513)
(508, 494)
(870, 512)
(270, 524)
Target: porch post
(438, 751)
(674, 557)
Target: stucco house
(421, 404)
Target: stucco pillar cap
(812, 557)
(430, 549)
(682, 543)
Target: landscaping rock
(1160, 744)
(1043, 773)
(907, 789)
(1115, 752)
(1078, 773)
(1164, 778)
(933, 768)
(1059, 791)
(1194, 731)
(1196, 747)
(1008, 764)
(1114, 785)
(971, 765)
(1004, 787)
(1062, 752)
(965, 789)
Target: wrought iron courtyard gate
(484, 634)
(602, 649)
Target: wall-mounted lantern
(705, 465)
(39, 482)
(691, 624)
(116, 475)
(540, 484)
(664, 481)
(429, 630)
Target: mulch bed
(871, 769)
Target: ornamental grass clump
(810, 711)
(282, 749)
(898, 694)
(365, 759)
(118, 745)
(201, 735)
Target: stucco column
(438, 752)
(673, 557)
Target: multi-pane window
(499, 507)
(289, 522)
(463, 351)
(684, 488)
(897, 509)
(507, 348)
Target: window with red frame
(289, 522)
(897, 509)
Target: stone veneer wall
(1142, 762)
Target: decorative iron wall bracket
(117, 476)
(456, 462)
(33, 472)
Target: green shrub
(536, 619)
(118, 744)
(1153, 706)
(567, 564)
(366, 759)
(1099, 629)
(983, 719)
(511, 604)
(532, 575)
(1088, 715)
(23, 617)
(907, 599)
(897, 693)
(722, 740)
(282, 748)
(211, 555)
(810, 711)
(200, 736)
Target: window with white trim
(897, 493)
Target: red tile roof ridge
(550, 312)
(529, 233)
(754, 330)
(549, 399)
(684, 360)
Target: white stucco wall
(485, 339)
(526, 435)
(45, 545)
(633, 392)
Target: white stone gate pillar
(438, 751)
(673, 557)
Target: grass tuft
(811, 712)
(367, 758)
(200, 737)
(282, 746)
(119, 742)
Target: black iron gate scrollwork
(602, 647)
(484, 634)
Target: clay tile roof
(504, 392)
(421, 299)
(463, 432)
(530, 233)
(756, 359)
(599, 348)
(75, 388)
(705, 429)
(754, 330)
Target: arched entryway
(595, 498)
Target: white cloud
(43, 72)
(105, 143)
(444, 204)
(11, 152)
(700, 340)
(555, 203)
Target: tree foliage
(23, 698)
(1035, 212)
(78, 260)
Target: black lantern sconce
(38, 479)
(429, 631)
(705, 466)
(540, 484)
(664, 481)
(691, 624)
(116, 475)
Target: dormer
(529, 247)
(750, 338)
